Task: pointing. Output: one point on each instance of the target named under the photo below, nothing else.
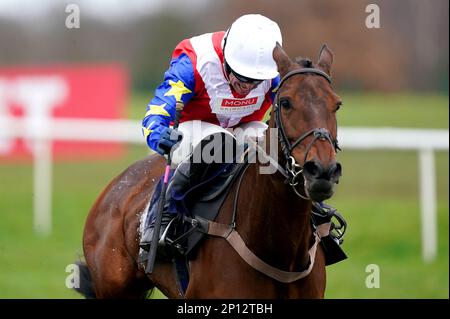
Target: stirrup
(330, 214)
(164, 240)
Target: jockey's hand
(169, 137)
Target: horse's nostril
(338, 171)
(335, 172)
(312, 169)
(315, 170)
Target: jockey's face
(242, 88)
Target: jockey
(225, 80)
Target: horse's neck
(274, 222)
(284, 218)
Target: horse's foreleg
(114, 274)
(164, 277)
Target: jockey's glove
(169, 137)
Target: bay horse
(272, 217)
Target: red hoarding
(63, 91)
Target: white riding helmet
(249, 44)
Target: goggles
(241, 78)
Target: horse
(272, 217)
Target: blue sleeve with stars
(275, 83)
(178, 85)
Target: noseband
(291, 166)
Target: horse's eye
(285, 104)
(338, 105)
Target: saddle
(202, 202)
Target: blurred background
(392, 76)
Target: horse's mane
(304, 62)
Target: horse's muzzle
(320, 180)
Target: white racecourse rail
(45, 130)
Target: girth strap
(236, 241)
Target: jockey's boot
(179, 182)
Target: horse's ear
(282, 59)
(325, 59)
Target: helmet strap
(226, 71)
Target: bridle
(292, 168)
